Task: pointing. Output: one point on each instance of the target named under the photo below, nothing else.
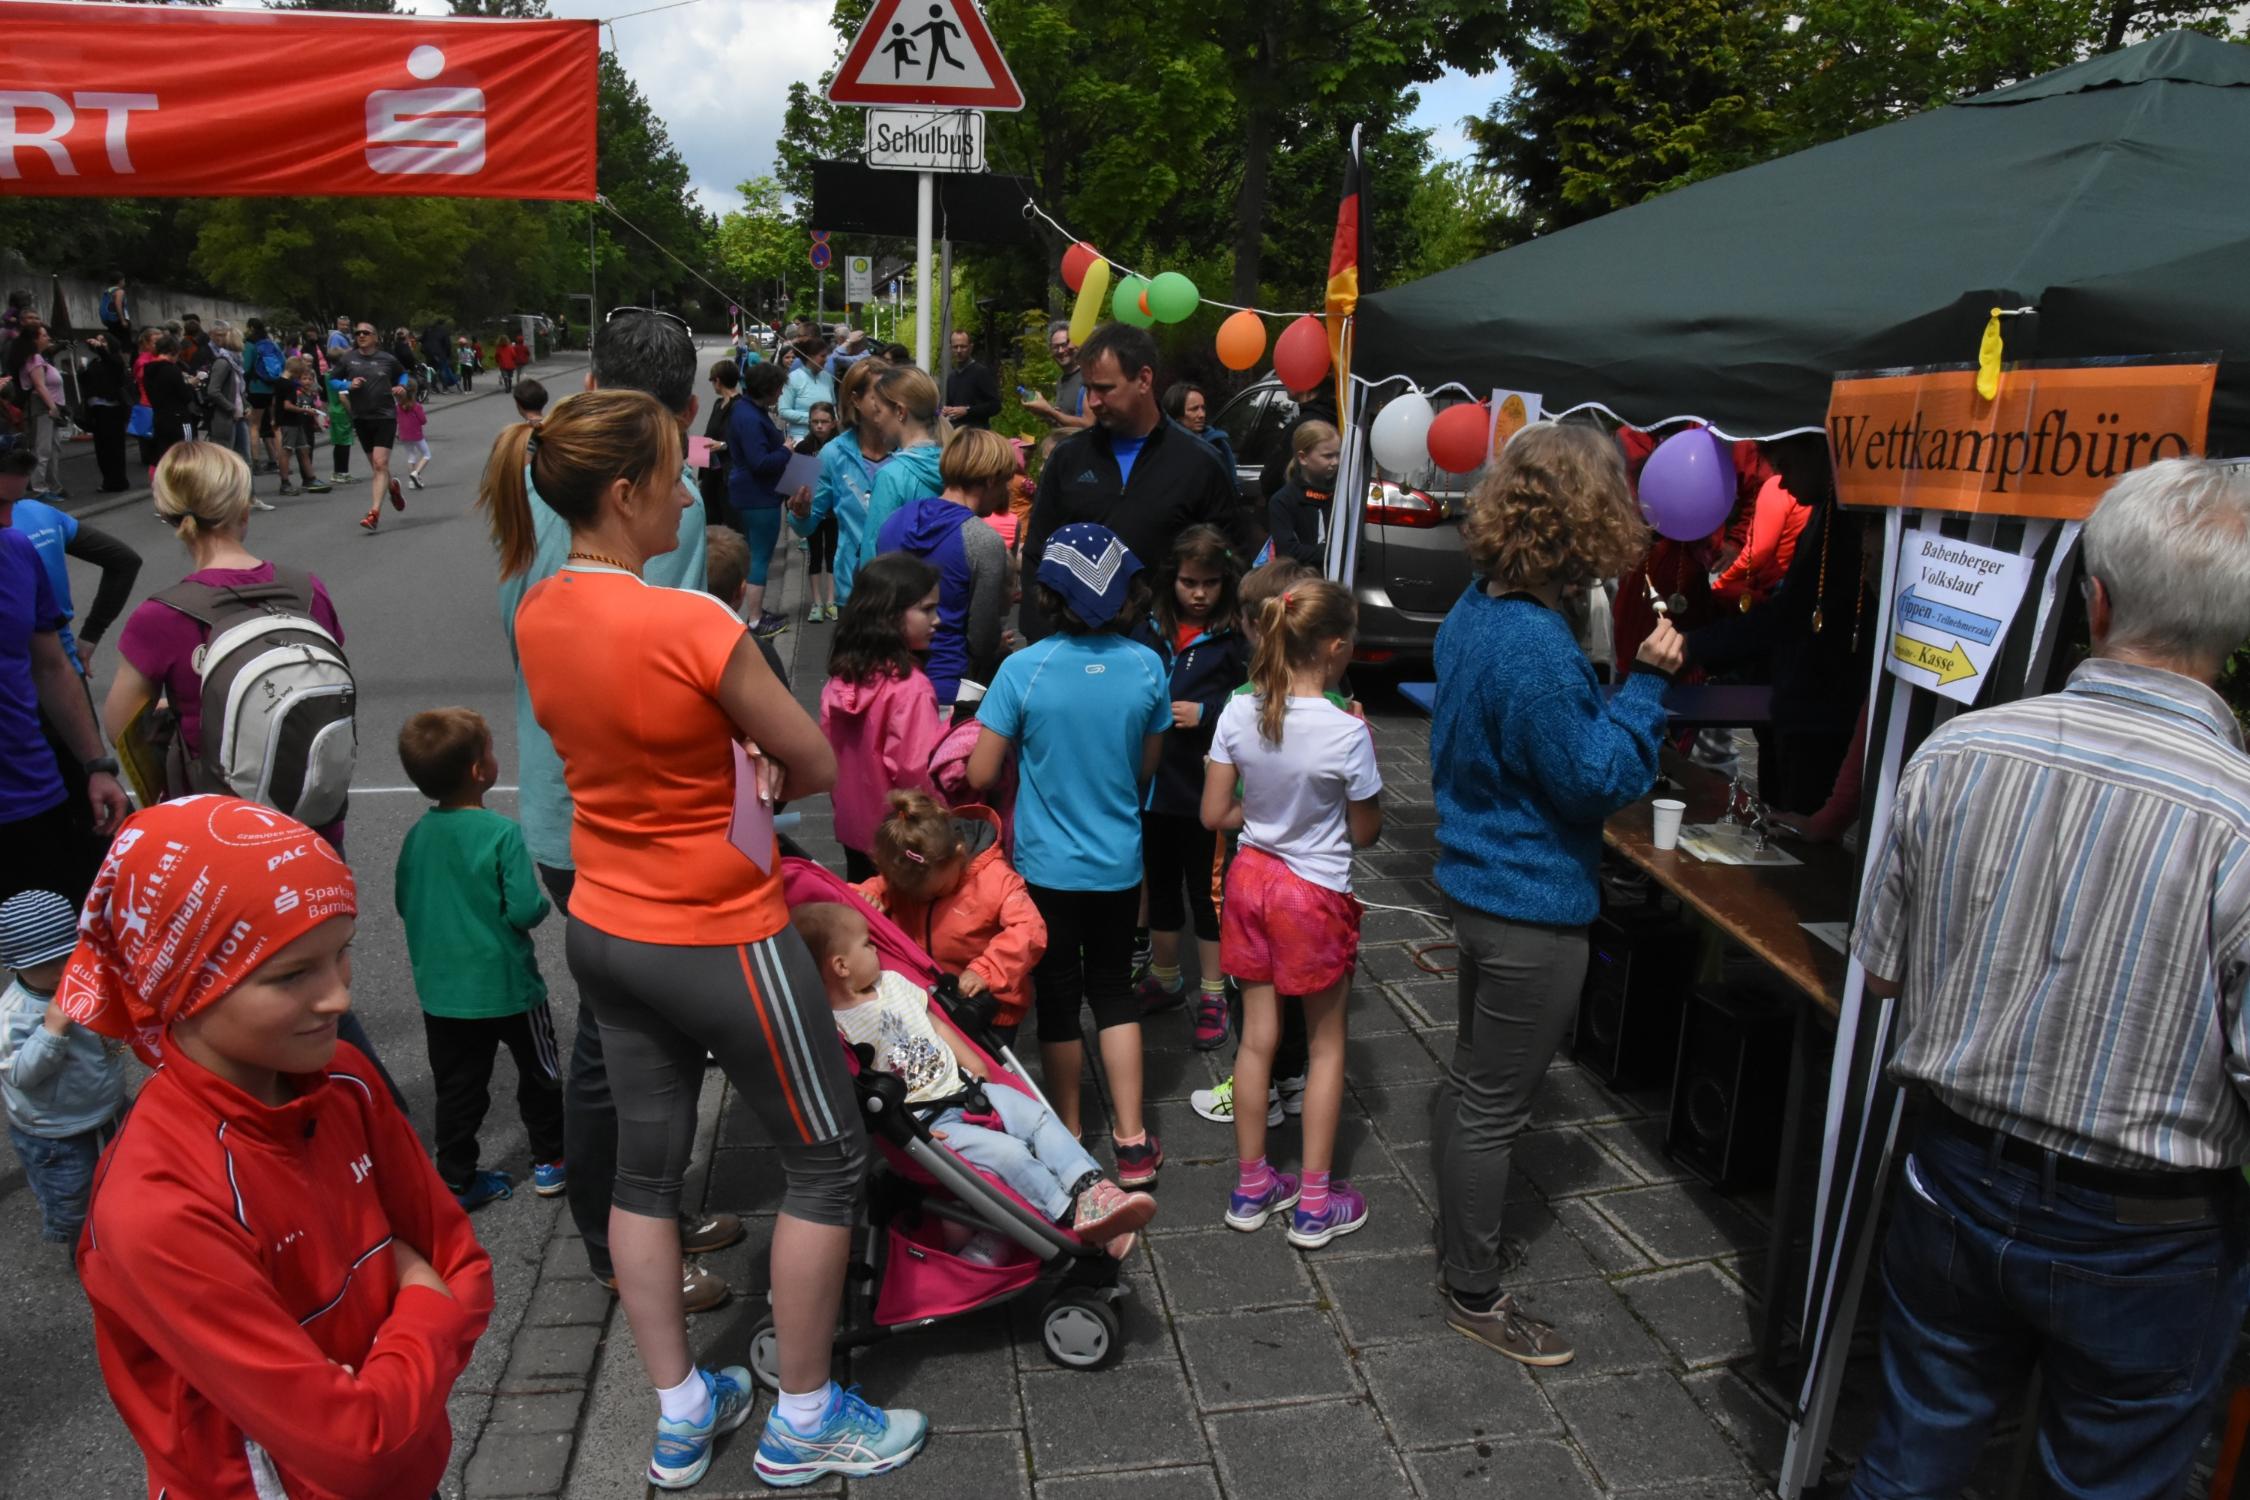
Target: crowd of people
(1070, 727)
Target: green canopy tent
(2113, 196)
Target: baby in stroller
(1003, 1131)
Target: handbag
(142, 423)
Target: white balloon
(1401, 434)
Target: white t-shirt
(896, 1023)
(1294, 794)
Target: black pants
(109, 444)
(1176, 854)
(343, 454)
(461, 1053)
(589, 1113)
(507, 379)
(1089, 957)
(820, 548)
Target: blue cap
(36, 927)
(1091, 569)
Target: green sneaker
(1217, 1103)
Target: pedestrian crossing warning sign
(926, 52)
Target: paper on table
(751, 830)
(1731, 844)
(803, 473)
(699, 452)
(1834, 934)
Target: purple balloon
(1687, 485)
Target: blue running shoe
(856, 1439)
(1346, 1211)
(483, 1188)
(548, 1178)
(1248, 1212)
(683, 1449)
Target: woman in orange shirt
(679, 934)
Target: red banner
(183, 101)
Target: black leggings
(1089, 957)
(820, 548)
(761, 1010)
(1177, 851)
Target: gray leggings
(1519, 992)
(761, 1010)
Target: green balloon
(1125, 305)
(1172, 297)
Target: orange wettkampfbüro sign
(2047, 445)
(184, 101)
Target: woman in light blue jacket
(848, 467)
(903, 409)
(809, 384)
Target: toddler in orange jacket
(944, 880)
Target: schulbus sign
(2047, 445)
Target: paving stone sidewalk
(1249, 1364)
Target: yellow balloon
(1093, 296)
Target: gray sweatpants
(760, 1009)
(1519, 991)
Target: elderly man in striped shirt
(2062, 905)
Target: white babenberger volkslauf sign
(926, 140)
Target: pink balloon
(1687, 486)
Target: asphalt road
(422, 630)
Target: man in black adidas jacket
(1140, 474)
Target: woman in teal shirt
(847, 478)
(903, 410)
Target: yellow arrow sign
(1951, 664)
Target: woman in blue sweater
(847, 478)
(757, 452)
(1528, 760)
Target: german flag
(1344, 257)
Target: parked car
(1412, 566)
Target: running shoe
(336, 479)
(1210, 1020)
(1346, 1211)
(416, 481)
(1217, 1103)
(257, 504)
(398, 496)
(483, 1188)
(1155, 998)
(769, 625)
(548, 1178)
(315, 487)
(367, 522)
(1248, 1212)
(286, 491)
(1292, 1092)
(683, 1449)
(1106, 1211)
(1137, 1165)
(855, 1439)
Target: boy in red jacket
(283, 1290)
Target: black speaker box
(1639, 965)
(1732, 1086)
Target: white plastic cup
(1665, 815)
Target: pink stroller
(912, 1274)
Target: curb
(109, 504)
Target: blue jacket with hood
(1205, 671)
(972, 564)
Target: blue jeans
(1036, 1156)
(1988, 1273)
(61, 1173)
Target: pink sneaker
(1210, 1020)
(1346, 1210)
(1106, 1212)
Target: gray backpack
(278, 697)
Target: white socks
(689, 1401)
(803, 1413)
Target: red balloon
(1075, 263)
(1300, 355)
(1460, 437)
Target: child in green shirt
(469, 897)
(340, 436)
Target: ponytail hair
(914, 841)
(586, 444)
(1293, 627)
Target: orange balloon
(1242, 340)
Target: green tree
(761, 243)
(643, 175)
(1618, 100)
(511, 10)
(1460, 212)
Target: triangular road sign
(926, 52)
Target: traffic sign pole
(925, 225)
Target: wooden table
(1757, 906)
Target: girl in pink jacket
(878, 710)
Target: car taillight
(1391, 504)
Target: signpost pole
(925, 224)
